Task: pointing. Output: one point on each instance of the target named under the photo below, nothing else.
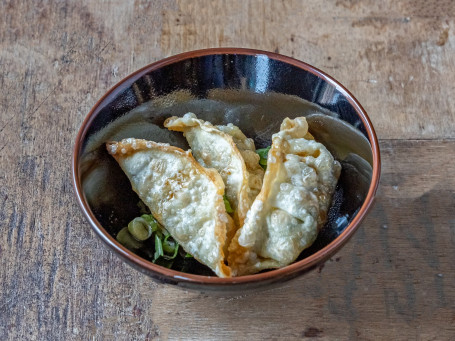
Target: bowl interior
(254, 92)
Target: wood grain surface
(393, 281)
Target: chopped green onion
(126, 239)
(227, 205)
(158, 248)
(145, 236)
(263, 154)
(151, 221)
(140, 229)
(170, 246)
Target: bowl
(252, 89)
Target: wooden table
(394, 280)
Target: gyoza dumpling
(247, 149)
(184, 197)
(292, 206)
(227, 151)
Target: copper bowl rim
(297, 267)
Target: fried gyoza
(184, 197)
(247, 149)
(285, 217)
(230, 152)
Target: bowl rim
(294, 268)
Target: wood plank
(391, 58)
(395, 277)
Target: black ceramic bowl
(254, 90)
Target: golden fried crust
(214, 148)
(285, 217)
(182, 195)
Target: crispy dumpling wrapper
(183, 196)
(247, 149)
(292, 206)
(230, 152)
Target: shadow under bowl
(252, 89)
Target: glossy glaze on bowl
(252, 89)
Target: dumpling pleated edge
(244, 256)
(190, 123)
